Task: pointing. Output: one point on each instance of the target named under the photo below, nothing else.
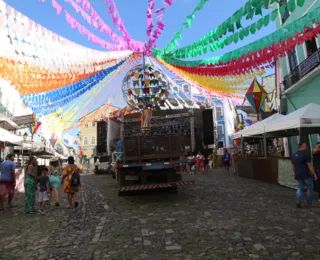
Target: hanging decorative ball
(145, 87)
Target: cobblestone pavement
(221, 217)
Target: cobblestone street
(221, 217)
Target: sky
(133, 13)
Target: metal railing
(302, 70)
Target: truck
(154, 157)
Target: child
(44, 189)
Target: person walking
(55, 180)
(206, 164)
(302, 167)
(316, 164)
(71, 182)
(30, 185)
(7, 180)
(214, 159)
(226, 160)
(44, 189)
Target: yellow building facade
(88, 128)
(88, 138)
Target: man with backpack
(71, 182)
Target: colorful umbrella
(256, 95)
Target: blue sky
(133, 13)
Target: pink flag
(168, 2)
(94, 15)
(57, 7)
(86, 5)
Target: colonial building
(88, 128)
(298, 73)
(220, 133)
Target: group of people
(47, 183)
(200, 163)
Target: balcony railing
(303, 69)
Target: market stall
(276, 169)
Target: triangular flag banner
(36, 127)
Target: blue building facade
(185, 91)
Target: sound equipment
(102, 128)
(208, 129)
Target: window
(93, 123)
(311, 47)
(292, 57)
(186, 88)
(218, 111)
(93, 140)
(175, 89)
(220, 129)
(85, 141)
(286, 15)
(86, 126)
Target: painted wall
(309, 91)
(269, 84)
(87, 131)
(195, 93)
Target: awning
(34, 146)
(7, 123)
(10, 138)
(25, 120)
(258, 128)
(306, 118)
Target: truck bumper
(157, 186)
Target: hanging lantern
(256, 96)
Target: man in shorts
(7, 180)
(44, 189)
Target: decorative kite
(265, 108)
(256, 96)
(53, 140)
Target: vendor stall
(276, 169)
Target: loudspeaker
(102, 137)
(208, 129)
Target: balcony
(302, 70)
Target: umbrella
(256, 96)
